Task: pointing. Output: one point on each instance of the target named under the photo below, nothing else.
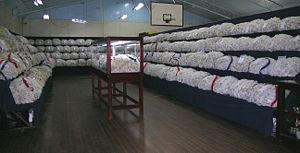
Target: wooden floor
(73, 122)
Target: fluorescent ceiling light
(123, 17)
(117, 43)
(78, 21)
(35, 3)
(126, 4)
(39, 2)
(46, 17)
(139, 6)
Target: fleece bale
(290, 23)
(59, 49)
(74, 49)
(82, 49)
(67, 49)
(50, 62)
(56, 55)
(240, 28)
(262, 66)
(261, 43)
(210, 59)
(288, 67)
(295, 44)
(223, 63)
(241, 64)
(71, 63)
(74, 55)
(88, 42)
(82, 62)
(280, 42)
(213, 31)
(71, 42)
(255, 26)
(48, 42)
(243, 44)
(172, 74)
(263, 95)
(196, 59)
(183, 74)
(91, 49)
(225, 44)
(60, 62)
(224, 86)
(39, 42)
(25, 93)
(89, 62)
(49, 48)
(23, 40)
(194, 78)
(206, 82)
(32, 49)
(80, 42)
(66, 56)
(26, 58)
(225, 29)
(272, 24)
(64, 42)
(241, 89)
(41, 48)
(31, 41)
(56, 41)
(82, 55)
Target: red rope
(213, 83)
(11, 61)
(276, 97)
(145, 65)
(26, 84)
(178, 69)
(156, 44)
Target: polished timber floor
(73, 122)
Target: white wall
(8, 21)
(66, 28)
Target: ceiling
(213, 10)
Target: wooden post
(141, 97)
(109, 91)
(124, 93)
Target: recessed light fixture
(123, 17)
(37, 2)
(78, 21)
(138, 6)
(126, 4)
(46, 17)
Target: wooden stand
(282, 111)
(113, 92)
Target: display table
(113, 68)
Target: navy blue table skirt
(248, 114)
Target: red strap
(145, 65)
(156, 44)
(276, 97)
(1, 62)
(178, 69)
(213, 83)
(26, 84)
(172, 57)
(11, 61)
